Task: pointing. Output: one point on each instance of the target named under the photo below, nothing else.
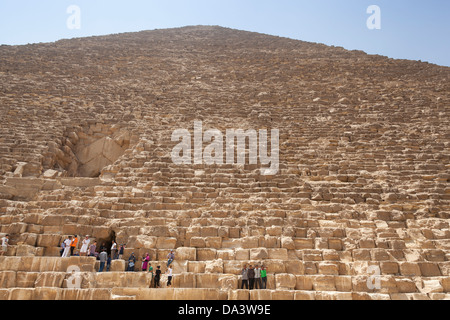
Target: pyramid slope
(363, 181)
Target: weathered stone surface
(360, 198)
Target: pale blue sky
(410, 29)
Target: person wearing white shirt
(67, 243)
(85, 246)
(169, 276)
(5, 244)
(113, 249)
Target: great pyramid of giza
(357, 208)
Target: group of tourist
(146, 266)
(70, 245)
(254, 277)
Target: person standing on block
(157, 276)
(67, 244)
(251, 277)
(73, 244)
(150, 269)
(264, 277)
(84, 246)
(113, 249)
(145, 261)
(257, 277)
(169, 276)
(103, 256)
(5, 244)
(244, 274)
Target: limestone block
(388, 267)
(432, 286)
(28, 239)
(50, 174)
(445, 268)
(46, 293)
(445, 281)
(274, 231)
(117, 265)
(196, 266)
(410, 269)
(387, 284)
(184, 280)
(25, 279)
(305, 295)
(250, 242)
(242, 254)
(275, 266)
(439, 296)
(198, 242)
(328, 268)
(213, 242)
(241, 295)
(260, 295)
(285, 281)
(232, 243)
(50, 279)
(295, 267)
(287, 243)
(310, 267)
(283, 295)
(361, 255)
(147, 242)
(259, 254)
(166, 243)
(85, 294)
(324, 283)
(228, 282)
(8, 279)
(100, 232)
(226, 254)
(21, 294)
(122, 279)
(206, 254)
(330, 296)
(214, 266)
(344, 283)
(233, 266)
(428, 269)
(27, 251)
(184, 253)
(48, 240)
(304, 283)
(406, 285)
(271, 242)
(207, 280)
(14, 228)
(279, 254)
(304, 244)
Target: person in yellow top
(73, 244)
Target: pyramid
(357, 209)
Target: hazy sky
(410, 29)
